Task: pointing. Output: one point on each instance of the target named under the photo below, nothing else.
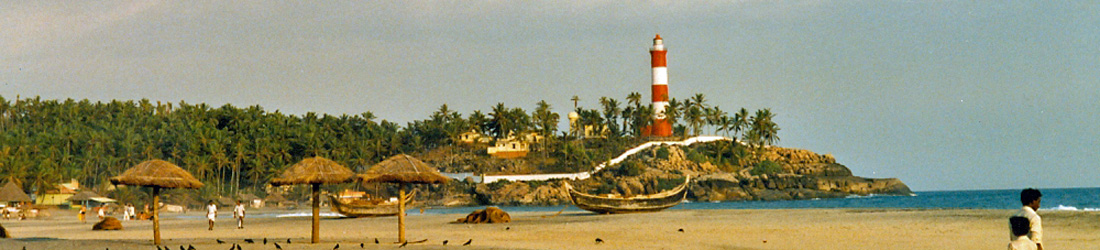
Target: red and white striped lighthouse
(660, 126)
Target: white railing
(616, 160)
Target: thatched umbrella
(157, 174)
(315, 171)
(11, 192)
(403, 169)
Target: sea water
(1062, 199)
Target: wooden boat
(641, 203)
(367, 207)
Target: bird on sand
(507, 228)
(361, 245)
(468, 242)
(681, 230)
(265, 241)
(287, 241)
(444, 242)
(181, 247)
(158, 248)
(219, 241)
(277, 245)
(189, 247)
(233, 247)
(238, 247)
(249, 241)
(375, 241)
(598, 240)
(336, 247)
(403, 244)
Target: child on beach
(1031, 198)
(1020, 227)
(102, 213)
(211, 214)
(238, 212)
(80, 216)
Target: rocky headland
(772, 173)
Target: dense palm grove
(234, 149)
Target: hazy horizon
(942, 95)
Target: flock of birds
(236, 246)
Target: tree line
(239, 149)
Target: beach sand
(703, 229)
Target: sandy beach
(702, 229)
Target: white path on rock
(616, 160)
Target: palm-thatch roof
(316, 170)
(157, 173)
(83, 196)
(403, 168)
(247, 197)
(13, 193)
(276, 198)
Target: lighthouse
(660, 126)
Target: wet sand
(702, 229)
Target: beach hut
(157, 174)
(90, 199)
(315, 171)
(251, 200)
(403, 170)
(278, 200)
(12, 193)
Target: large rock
(487, 215)
(108, 223)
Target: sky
(944, 95)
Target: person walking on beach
(1031, 198)
(102, 213)
(238, 212)
(1020, 227)
(211, 214)
(126, 212)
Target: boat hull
(348, 209)
(638, 204)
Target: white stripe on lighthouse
(660, 76)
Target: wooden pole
(401, 214)
(156, 216)
(316, 213)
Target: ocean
(1060, 199)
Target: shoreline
(707, 229)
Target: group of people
(1026, 225)
(212, 214)
(129, 212)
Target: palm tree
(764, 131)
(546, 121)
(672, 111)
(740, 121)
(611, 114)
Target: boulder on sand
(108, 223)
(487, 215)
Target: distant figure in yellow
(238, 212)
(81, 215)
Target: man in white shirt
(238, 212)
(211, 213)
(1031, 198)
